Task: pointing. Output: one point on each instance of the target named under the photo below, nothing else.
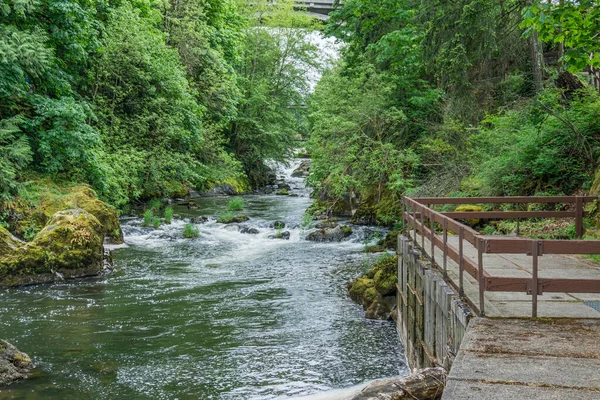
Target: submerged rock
(14, 365)
(250, 231)
(336, 234)
(199, 220)
(376, 290)
(277, 225)
(281, 235)
(69, 246)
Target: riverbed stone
(69, 246)
(249, 230)
(336, 234)
(281, 235)
(278, 225)
(14, 364)
(302, 170)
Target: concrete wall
(432, 319)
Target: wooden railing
(417, 212)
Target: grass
(154, 204)
(156, 222)
(148, 217)
(235, 204)
(190, 231)
(307, 221)
(225, 216)
(169, 215)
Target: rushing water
(227, 315)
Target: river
(227, 315)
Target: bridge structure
(318, 8)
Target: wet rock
(14, 365)
(69, 246)
(336, 234)
(284, 186)
(327, 224)
(376, 290)
(199, 220)
(250, 231)
(277, 225)
(232, 228)
(192, 206)
(232, 219)
(281, 235)
(302, 170)
(225, 189)
(424, 384)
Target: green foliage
(225, 217)
(156, 222)
(548, 145)
(154, 205)
(168, 215)
(307, 221)
(575, 24)
(148, 218)
(190, 231)
(235, 204)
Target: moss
(8, 243)
(470, 208)
(390, 241)
(283, 192)
(71, 243)
(33, 214)
(346, 230)
(374, 289)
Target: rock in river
(69, 246)
(336, 234)
(14, 365)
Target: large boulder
(14, 365)
(336, 234)
(69, 246)
(24, 217)
(302, 170)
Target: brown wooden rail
(416, 212)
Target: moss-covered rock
(14, 365)
(283, 192)
(336, 234)
(470, 208)
(232, 219)
(27, 217)
(8, 243)
(376, 289)
(69, 246)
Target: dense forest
(463, 98)
(149, 98)
(145, 99)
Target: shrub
(155, 204)
(237, 203)
(156, 222)
(190, 231)
(148, 216)
(168, 215)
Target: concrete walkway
(527, 359)
(509, 304)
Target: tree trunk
(536, 61)
(425, 384)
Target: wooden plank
(510, 214)
(505, 245)
(502, 200)
(553, 285)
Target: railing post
(480, 244)
(445, 235)
(415, 226)
(579, 216)
(404, 219)
(422, 228)
(534, 279)
(432, 223)
(461, 292)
